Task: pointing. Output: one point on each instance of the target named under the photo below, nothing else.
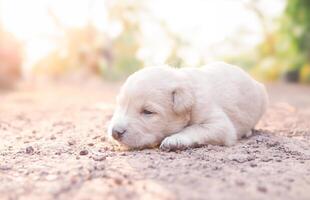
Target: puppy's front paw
(174, 142)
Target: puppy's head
(153, 103)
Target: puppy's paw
(174, 142)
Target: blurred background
(110, 39)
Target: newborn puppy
(182, 108)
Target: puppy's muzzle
(118, 132)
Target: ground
(53, 146)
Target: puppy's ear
(182, 99)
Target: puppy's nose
(118, 132)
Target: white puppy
(181, 108)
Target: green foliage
(125, 46)
(285, 51)
(294, 41)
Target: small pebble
(239, 160)
(118, 181)
(71, 142)
(90, 144)
(29, 150)
(99, 167)
(99, 157)
(83, 152)
(253, 165)
(53, 137)
(262, 189)
(243, 170)
(266, 159)
(290, 180)
(240, 183)
(273, 144)
(216, 168)
(95, 137)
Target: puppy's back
(241, 97)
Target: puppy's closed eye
(147, 112)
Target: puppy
(181, 108)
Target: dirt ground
(53, 146)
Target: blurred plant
(294, 38)
(177, 44)
(81, 48)
(10, 59)
(285, 49)
(262, 62)
(125, 46)
(113, 57)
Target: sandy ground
(53, 146)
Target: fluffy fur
(181, 108)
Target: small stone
(266, 159)
(43, 173)
(253, 165)
(262, 189)
(151, 166)
(83, 152)
(73, 180)
(90, 144)
(240, 183)
(216, 168)
(99, 167)
(103, 139)
(29, 150)
(95, 137)
(239, 160)
(71, 142)
(118, 181)
(99, 157)
(273, 144)
(53, 137)
(243, 171)
(290, 180)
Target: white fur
(215, 104)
